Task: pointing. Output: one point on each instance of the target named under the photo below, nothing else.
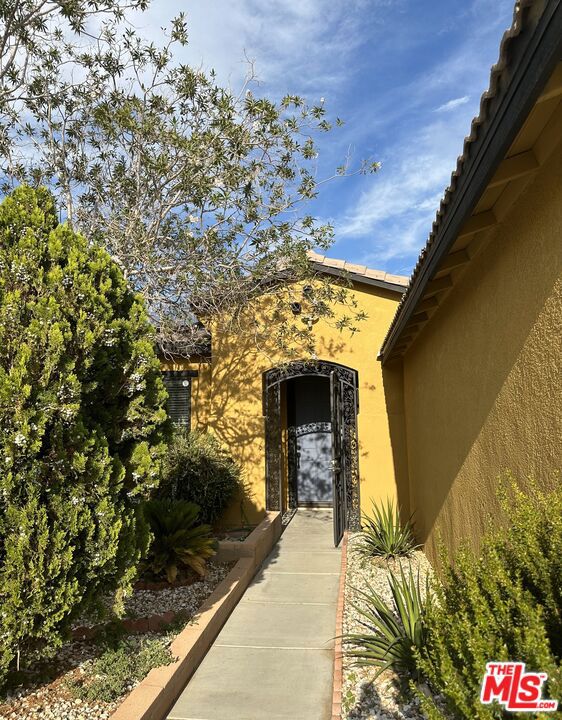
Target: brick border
(338, 650)
(154, 696)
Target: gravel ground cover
(183, 598)
(54, 698)
(237, 534)
(363, 697)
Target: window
(178, 385)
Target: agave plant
(391, 635)
(384, 534)
(177, 540)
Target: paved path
(273, 659)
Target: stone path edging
(338, 650)
(257, 545)
(155, 695)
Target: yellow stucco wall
(483, 381)
(227, 400)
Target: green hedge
(81, 413)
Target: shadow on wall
(393, 386)
(227, 403)
(228, 397)
(482, 381)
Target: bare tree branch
(198, 192)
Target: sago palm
(177, 539)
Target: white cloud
(388, 224)
(292, 42)
(452, 104)
(398, 209)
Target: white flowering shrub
(81, 426)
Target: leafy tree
(81, 418)
(196, 190)
(33, 29)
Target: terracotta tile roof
(358, 272)
(499, 80)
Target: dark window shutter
(178, 385)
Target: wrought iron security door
(338, 472)
(346, 380)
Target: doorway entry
(309, 438)
(310, 410)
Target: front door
(310, 433)
(314, 466)
(338, 474)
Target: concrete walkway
(273, 659)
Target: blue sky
(406, 76)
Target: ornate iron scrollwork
(273, 455)
(312, 428)
(351, 456)
(292, 466)
(273, 378)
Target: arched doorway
(311, 453)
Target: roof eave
(357, 278)
(535, 57)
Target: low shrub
(503, 604)
(123, 663)
(383, 533)
(178, 539)
(391, 633)
(532, 549)
(198, 469)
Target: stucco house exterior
(456, 376)
(477, 338)
(280, 418)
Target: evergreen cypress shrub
(198, 469)
(81, 426)
(501, 604)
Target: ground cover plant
(82, 416)
(88, 678)
(122, 663)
